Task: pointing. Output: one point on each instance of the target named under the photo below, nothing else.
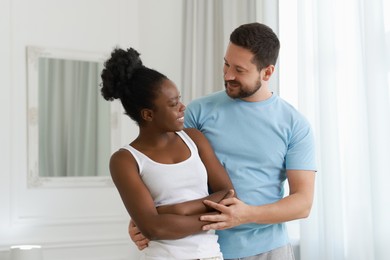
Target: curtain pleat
(206, 31)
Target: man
(261, 140)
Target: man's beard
(242, 93)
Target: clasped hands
(230, 212)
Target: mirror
(69, 124)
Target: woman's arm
(139, 203)
(218, 180)
(194, 207)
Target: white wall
(71, 223)
(160, 36)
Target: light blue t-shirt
(256, 142)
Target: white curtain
(343, 82)
(206, 31)
(74, 120)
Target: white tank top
(175, 183)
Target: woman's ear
(147, 114)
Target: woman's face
(168, 114)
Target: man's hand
(139, 240)
(229, 194)
(233, 212)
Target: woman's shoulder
(192, 132)
(122, 158)
(196, 136)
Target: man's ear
(147, 114)
(268, 71)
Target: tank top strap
(188, 141)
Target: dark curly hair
(125, 77)
(260, 40)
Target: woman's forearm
(194, 207)
(171, 226)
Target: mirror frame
(34, 180)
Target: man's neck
(262, 94)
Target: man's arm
(294, 206)
(139, 240)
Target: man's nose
(229, 75)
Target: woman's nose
(182, 107)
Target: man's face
(242, 79)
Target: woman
(164, 174)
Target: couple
(245, 137)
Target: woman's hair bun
(117, 72)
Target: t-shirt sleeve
(301, 148)
(190, 116)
